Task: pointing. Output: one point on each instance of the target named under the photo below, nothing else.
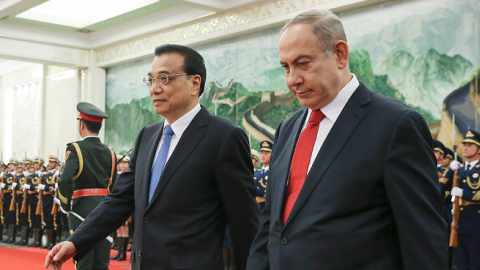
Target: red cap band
(90, 118)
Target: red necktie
(301, 160)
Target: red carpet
(34, 259)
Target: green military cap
(90, 113)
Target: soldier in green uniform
(86, 179)
(33, 200)
(48, 187)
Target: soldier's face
(438, 155)
(470, 150)
(124, 165)
(19, 169)
(36, 165)
(254, 162)
(265, 157)
(52, 165)
(445, 162)
(11, 167)
(28, 166)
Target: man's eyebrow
(161, 71)
(297, 58)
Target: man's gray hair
(326, 26)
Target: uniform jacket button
(139, 253)
(146, 220)
(283, 240)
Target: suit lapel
(154, 141)
(190, 138)
(285, 165)
(351, 115)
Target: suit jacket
(207, 181)
(89, 168)
(370, 201)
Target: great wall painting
(422, 53)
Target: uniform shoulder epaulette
(68, 144)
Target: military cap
(19, 164)
(121, 158)
(27, 161)
(53, 158)
(438, 146)
(449, 153)
(255, 154)
(12, 161)
(90, 113)
(38, 159)
(266, 146)
(472, 137)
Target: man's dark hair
(193, 63)
(93, 127)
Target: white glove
(458, 192)
(2, 185)
(26, 174)
(26, 187)
(41, 187)
(56, 186)
(455, 165)
(14, 185)
(57, 173)
(14, 173)
(39, 173)
(1, 174)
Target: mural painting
(422, 53)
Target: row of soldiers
(27, 202)
(466, 253)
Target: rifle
(455, 199)
(55, 206)
(14, 195)
(25, 196)
(40, 198)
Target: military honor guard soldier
(10, 217)
(255, 158)
(1, 208)
(468, 249)
(21, 218)
(261, 176)
(33, 200)
(90, 168)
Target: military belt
(464, 203)
(90, 192)
(260, 199)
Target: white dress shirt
(178, 128)
(264, 169)
(472, 164)
(331, 111)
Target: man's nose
(294, 78)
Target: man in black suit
(353, 183)
(188, 176)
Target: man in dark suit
(188, 176)
(353, 183)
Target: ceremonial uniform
(467, 253)
(90, 167)
(33, 203)
(22, 218)
(261, 176)
(1, 202)
(10, 218)
(49, 179)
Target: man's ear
(196, 83)
(341, 51)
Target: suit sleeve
(66, 184)
(234, 176)
(111, 213)
(411, 182)
(258, 258)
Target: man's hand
(26, 187)
(41, 187)
(14, 185)
(60, 254)
(455, 165)
(2, 185)
(458, 192)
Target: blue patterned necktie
(160, 161)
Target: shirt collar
(333, 109)
(182, 123)
(90, 136)
(472, 164)
(265, 168)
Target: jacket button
(139, 253)
(146, 220)
(283, 240)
